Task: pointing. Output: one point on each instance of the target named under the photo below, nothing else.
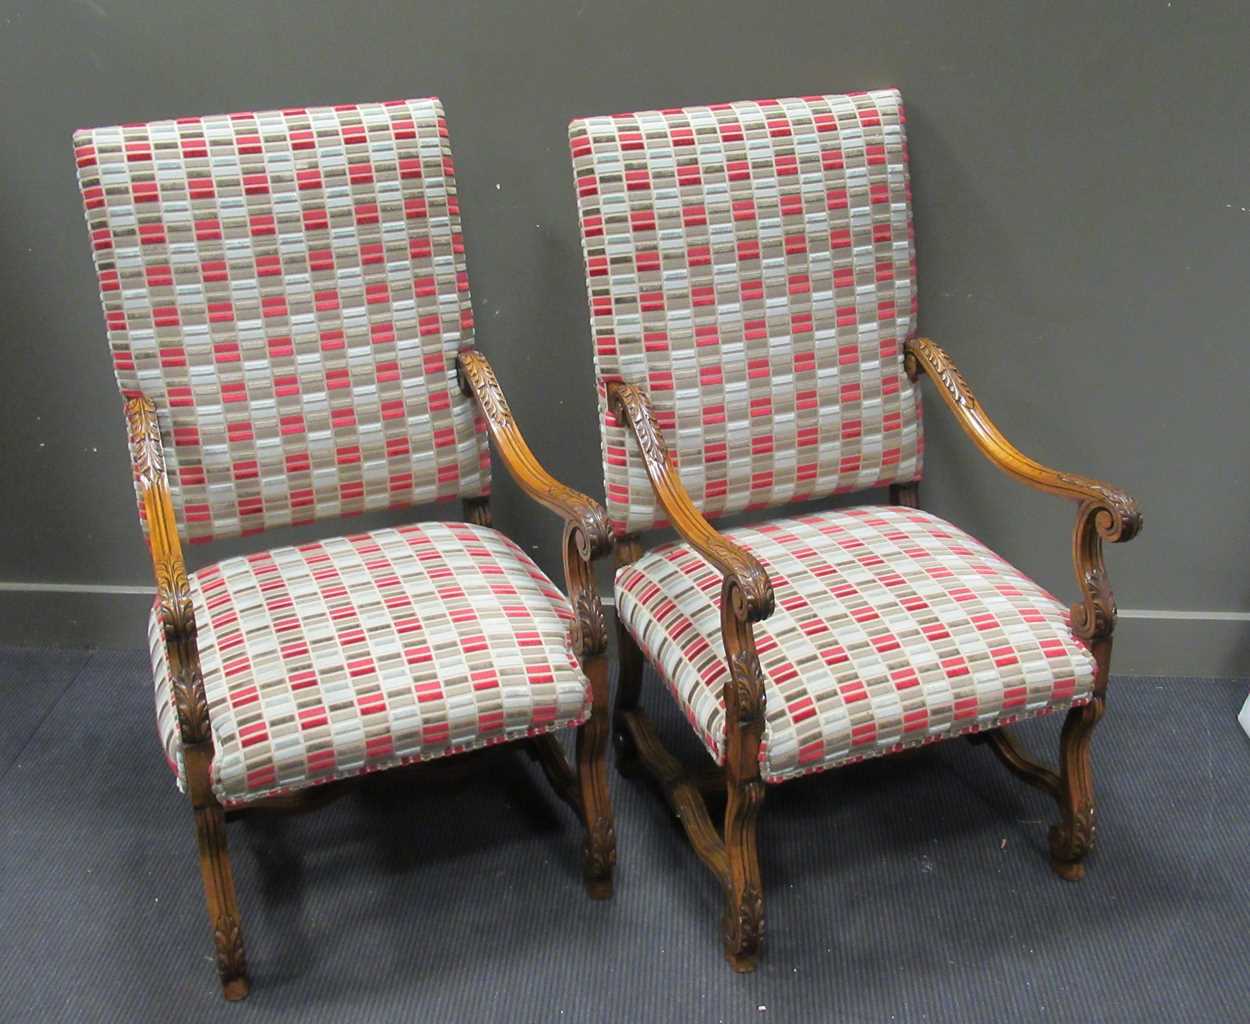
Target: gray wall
(1080, 177)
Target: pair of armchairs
(288, 310)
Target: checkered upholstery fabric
(360, 653)
(892, 628)
(751, 266)
(289, 289)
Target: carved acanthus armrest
(1105, 513)
(747, 586)
(587, 533)
(173, 591)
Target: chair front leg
(219, 895)
(1108, 516)
(599, 846)
(177, 616)
(1073, 838)
(743, 924)
(591, 641)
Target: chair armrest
(587, 533)
(746, 597)
(751, 590)
(584, 515)
(1105, 513)
(1119, 512)
(173, 590)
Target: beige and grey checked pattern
(892, 629)
(360, 653)
(289, 289)
(750, 265)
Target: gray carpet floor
(907, 889)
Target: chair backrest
(289, 289)
(751, 265)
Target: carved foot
(1070, 844)
(231, 962)
(743, 923)
(1073, 838)
(223, 908)
(1073, 872)
(599, 858)
(599, 846)
(743, 930)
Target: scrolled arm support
(590, 629)
(173, 589)
(748, 590)
(1105, 513)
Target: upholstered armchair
(753, 306)
(288, 310)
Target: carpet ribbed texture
(908, 889)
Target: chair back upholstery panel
(751, 266)
(289, 289)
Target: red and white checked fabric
(892, 629)
(289, 289)
(360, 653)
(751, 266)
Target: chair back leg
(477, 511)
(629, 676)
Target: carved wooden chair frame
(583, 786)
(1103, 514)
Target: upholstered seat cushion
(892, 628)
(359, 653)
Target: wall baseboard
(1186, 644)
(1149, 642)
